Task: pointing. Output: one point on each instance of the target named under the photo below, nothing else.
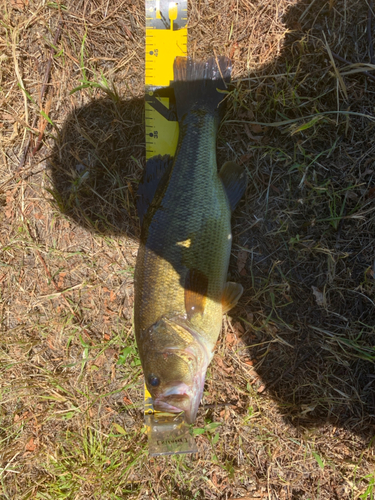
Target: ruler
(166, 38)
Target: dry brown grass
(292, 383)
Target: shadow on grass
(96, 164)
(309, 277)
(316, 361)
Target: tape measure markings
(166, 38)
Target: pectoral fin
(231, 295)
(234, 179)
(196, 287)
(154, 172)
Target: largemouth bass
(185, 205)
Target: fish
(185, 204)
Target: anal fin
(231, 295)
(234, 179)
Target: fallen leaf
(50, 343)
(233, 49)
(30, 445)
(351, 195)
(271, 329)
(19, 4)
(246, 157)
(250, 317)
(60, 282)
(9, 198)
(110, 353)
(231, 339)
(256, 138)
(241, 259)
(257, 129)
(368, 171)
(240, 329)
(7, 117)
(319, 296)
(214, 479)
(249, 362)
(220, 362)
(296, 26)
(100, 360)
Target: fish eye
(153, 380)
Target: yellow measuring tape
(166, 38)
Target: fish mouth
(174, 403)
(182, 398)
(179, 396)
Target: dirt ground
(289, 404)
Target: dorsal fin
(234, 180)
(153, 174)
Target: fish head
(174, 366)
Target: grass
(288, 409)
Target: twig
(19, 79)
(42, 127)
(369, 32)
(341, 59)
(42, 94)
(217, 405)
(49, 64)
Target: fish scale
(199, 212)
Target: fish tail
(197, 85)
